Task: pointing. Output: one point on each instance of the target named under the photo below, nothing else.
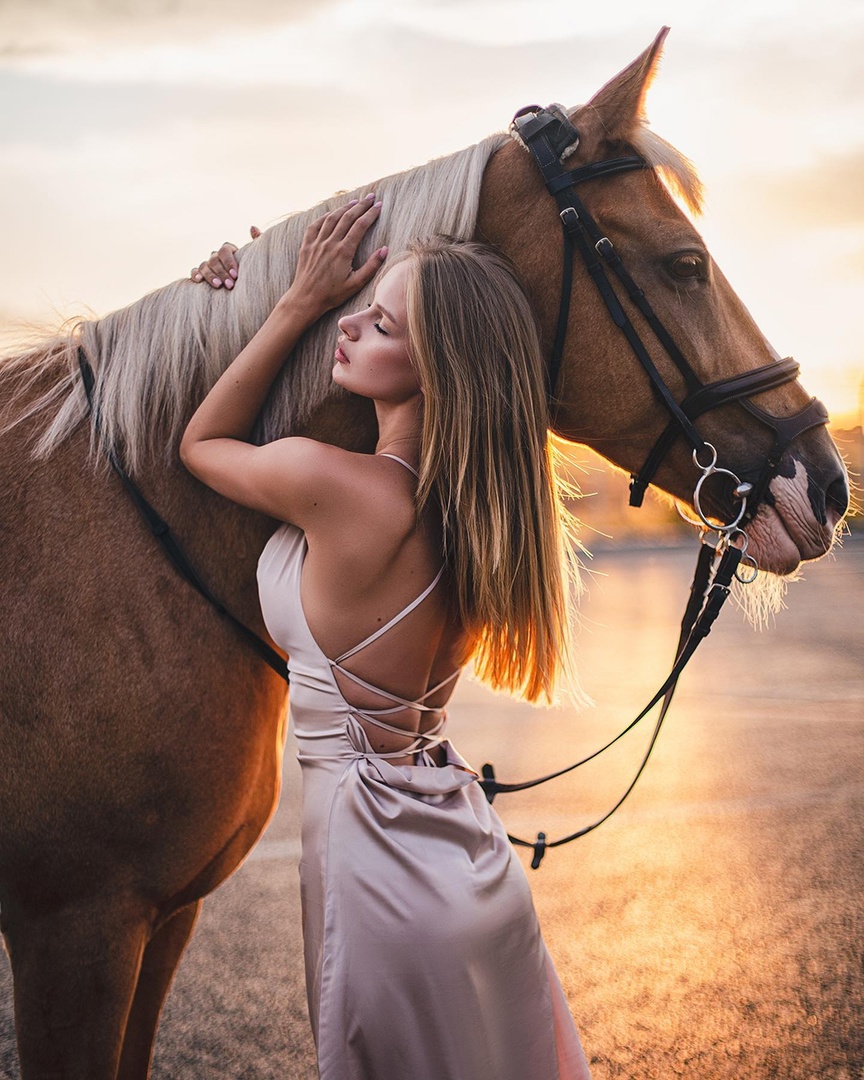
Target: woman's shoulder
(359, 493)
(369, 543)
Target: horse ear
(620, 104)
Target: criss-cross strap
(420, 740)
(402, 703)
(396, 618)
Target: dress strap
(420, 740)
(401, 461)
(402, 703)
(396, 618)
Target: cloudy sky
(134, 138)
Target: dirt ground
(712, 929)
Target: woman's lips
(340, 356)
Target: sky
(135, 138)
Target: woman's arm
(213, 447)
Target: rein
(174, 553)
(550, 137)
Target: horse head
(768, 434)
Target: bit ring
(730, 525)
(752, 571)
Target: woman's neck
(400, 428)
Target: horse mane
(153, 359)
(677, 171)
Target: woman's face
(372, 355)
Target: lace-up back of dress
(431, 735)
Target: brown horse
(140, 739)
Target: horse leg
(160, 961)
(75, 970)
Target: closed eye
(380, 329)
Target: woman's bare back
(363, 571)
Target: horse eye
(688, 267)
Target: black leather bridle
(549, 135)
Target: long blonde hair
(486, 460)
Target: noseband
(550, 138)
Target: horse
(140, 738)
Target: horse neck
(221, 539)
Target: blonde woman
(424, 960)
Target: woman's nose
(347, 326)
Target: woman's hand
(221, 268)
(325, 276)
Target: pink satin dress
(424, 959)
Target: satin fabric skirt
(424, 960)
(424, 957)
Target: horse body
(140, 739)
(125, 797)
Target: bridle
(551, 138)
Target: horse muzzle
(793, 512)
(799, 516)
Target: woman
(423, 955)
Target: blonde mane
(154, 359)
(677, 171)
(157, 357)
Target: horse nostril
(837, 495)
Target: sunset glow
(138, 143)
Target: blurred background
(135, 138)
(713, 929)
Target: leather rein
(550, 138)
